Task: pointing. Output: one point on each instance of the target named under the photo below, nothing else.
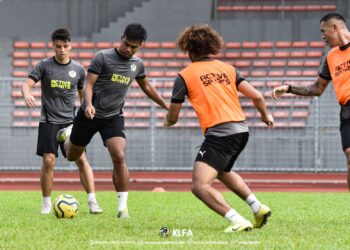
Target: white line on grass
(116, 242)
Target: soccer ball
(66, 206)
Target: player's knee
(49, 161)
(118, 158)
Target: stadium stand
(273, 59)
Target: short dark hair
(62, 34)
(332, 16)
(135, 32)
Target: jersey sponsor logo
(61, 84)
(121, 79)
(202, 153)
(208, 79)
(133, 67)
(72, 73)
(342, 68)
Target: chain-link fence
(307, 138)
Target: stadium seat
(20, 63)
(265, 54)
(293, 73)
(181, 55)
(171, 73)
(173, 64)
(314, 54)
(242, 63)
(308, 73)
(38, 45)
(104, 45)
(272, 84)
(167, 55)
(152, 45)
(278, 63)
(157, 64)
(262, 63)
(281, 54)
(248, 54)
(269, 8)
(283, 44)
(328, 7)
(249, 45)
(232, 55)
(316, 44)
(85, 55)
(258, 73)
(298, 54)
(295, 63)
(37, 54)
(312, 63)
(19, 73)
(224, 8)
(233, 45)
(156, 74)
(264, 45)
(86, 45)
(20, 54)
(21, 45)
(168, 45)
(116, 45)
(276, 73)
(299, 44)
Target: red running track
(181, 181)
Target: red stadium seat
(276, 73)
(260, 63)
(37, 54)
(278, 63)
(20, 63)
(181, 55)
(312, 63)
(152, 45)
(174, 64)
(104, 45)
(233, 45)
(156, 74)
(20, 54)
(269, 8)
(265, 54)
(87, 45)
(313, 7)
(232, 55)
(283, 44)
(224, 8)
(86, 55)
(316, 44)
(249, 45)
(249, 54)
(168, 45)
(281, 54)
(299, 44)
(21, 45)
(19, 73)
(293, 73)
(242, 63)
(329, 7)
(20, 113)
(295, 63)
(157, 64)
(314, 54)
(38, 45)
(298, 54)
(307, 73)
(265, 44)
(167, 55)
(171, 73)
(258, 73)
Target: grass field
(299, 221)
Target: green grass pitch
(298, 221)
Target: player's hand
(90, 112)
(167, 123)
(29, 101)
(268, 120)
(279, 91)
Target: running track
(181, 181)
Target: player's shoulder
(76, 64)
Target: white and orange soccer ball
(66, 206)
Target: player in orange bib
(212, 88)
(336, 68)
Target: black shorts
(47, 142)
(345, 125)
(84, 129)
(222, 152)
